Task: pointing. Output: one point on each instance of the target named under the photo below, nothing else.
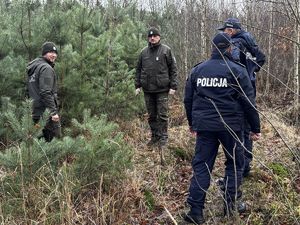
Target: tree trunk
(270, 45)
(185, 62)
(297, 66)
(205, 45)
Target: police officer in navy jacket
(247, 52)
(218, 96)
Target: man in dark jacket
(218, 94)
(156, 74)
(42, 86)
(247, 52)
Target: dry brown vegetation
(155, 193)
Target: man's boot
(194, 218)
(230, 208)
(154, 140)
(221, 185)
(163, 142)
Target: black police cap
(231, 23)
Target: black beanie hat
(221, 41)
(49, 47)
(153, 31)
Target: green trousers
(157, 107)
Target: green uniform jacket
(42, 87)
(156, 69)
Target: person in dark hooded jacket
(246, 51)
(42, 87)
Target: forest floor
(271, 192)
(155, 189)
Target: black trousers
(52, 129)
(206, 151)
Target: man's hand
(255, 136)
(37, 126)
(194, 133)
(172, 92)
(55, 118)
(137, 91)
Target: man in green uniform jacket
(156, 74)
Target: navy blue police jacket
(215, 96)
(248, 53)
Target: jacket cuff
(256, 130)
(53, 112)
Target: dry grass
(271, 199)
(153, 193)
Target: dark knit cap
(221, 40)
(153, 31)
(231, 23)
(48, 47)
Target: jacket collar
(217, 55)
(240, 33)
(151, 46)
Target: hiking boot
(230, 208)
(193, 218)
(154, 141)
(220, 184)
(163, 142)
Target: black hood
(34, 63)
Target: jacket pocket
(163, 81)
(144, 78)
